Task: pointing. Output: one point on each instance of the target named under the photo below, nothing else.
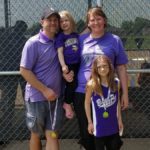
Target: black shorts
(112, 142)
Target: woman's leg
(114, 142)
(87, 140)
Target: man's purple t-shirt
(40, 56)
(105, 126)
(109, 45)
(70, 45)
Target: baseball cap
(48, 12)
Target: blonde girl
(68, 53)
(102, 92)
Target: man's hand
(49, 94)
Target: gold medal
(105, 114)
(53, 134)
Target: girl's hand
(120, 127)
(68, 76)
(65, 69)
(90, 128)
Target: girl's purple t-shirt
(40, 56)
(109, 45)
(70, 44)
(105, 126)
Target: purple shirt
(109, 45)
(40, 56)
(105, 126)
(70, 44)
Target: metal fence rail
(19, 19)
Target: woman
(94, 43)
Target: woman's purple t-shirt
(109, 45)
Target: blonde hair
(96, 79)
(71, 19)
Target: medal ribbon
(53, 121)
(103, 100)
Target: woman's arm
(123, 77)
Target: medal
(53, 134)
(105, 114)
(53, 121)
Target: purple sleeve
(59, 41)
(121, 57)
(29, 55)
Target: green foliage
(136, 27)
(132, 44)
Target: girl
(102, 91)
(68, 54)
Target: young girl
(102, 91)
(68, 54)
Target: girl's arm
(88, 107)
(123, 77)
(62, 60)
(119, 115)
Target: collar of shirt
(43, 38)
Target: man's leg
(35, 142)
(52, 142)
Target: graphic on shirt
(106, 102)
(70, 42)
(98, 49)
(74, 47)
(89, 53)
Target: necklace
(53, 121)
(105, 113)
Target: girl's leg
(99, 144)
(114, 142)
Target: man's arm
(29, 76)
(122, 74)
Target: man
(40, 68)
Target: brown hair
(96, 79)
(96, 11)
(69, 16)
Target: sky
(116, 10)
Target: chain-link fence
(19, 19)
